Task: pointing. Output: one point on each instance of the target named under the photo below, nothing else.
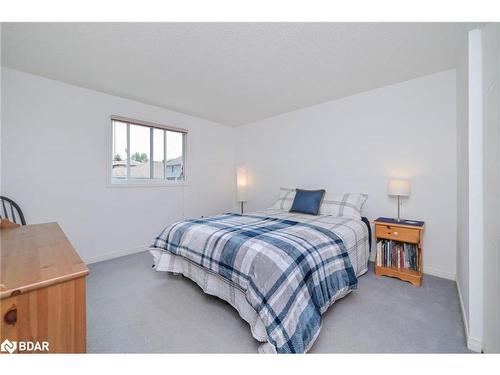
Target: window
(146, 153)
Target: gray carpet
(133, 309)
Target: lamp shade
(241, 183)
(399, 187)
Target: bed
(279, 270)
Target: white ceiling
(233, 73)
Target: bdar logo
(24, 346)
(8, 346)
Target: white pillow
(348, 205)
(285, 201)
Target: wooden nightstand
(399, 249)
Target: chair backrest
(11, 211)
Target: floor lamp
(241, 185)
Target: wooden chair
(11, 214)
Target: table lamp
(399, 188)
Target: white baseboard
(444, 275)
(473, 343)
(116, 254)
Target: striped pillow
(285, 201)
(348, 205)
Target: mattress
(354, 234)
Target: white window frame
(138, 182)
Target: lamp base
(398, 219)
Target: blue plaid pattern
(291, 271)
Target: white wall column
(476, 191)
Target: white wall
(478, 222)
(491, 186)
(54, 158)
(476, 192)
(463, 177)
(356, 143)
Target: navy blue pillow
(307, 201)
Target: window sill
(146, 183)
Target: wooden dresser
(42, 291)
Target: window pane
(139, 151)
(158, 153)
(119, 169)
(174, 156)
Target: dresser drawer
(397, 233)
(55, 315)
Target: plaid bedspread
(291, 271)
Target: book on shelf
(397, 254)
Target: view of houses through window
(146, 153)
